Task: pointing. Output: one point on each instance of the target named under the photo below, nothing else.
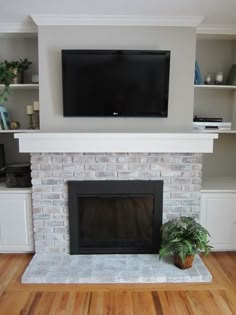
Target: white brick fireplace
(56, 158)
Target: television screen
(123, 83)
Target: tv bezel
(166, 53)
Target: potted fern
(183, 237)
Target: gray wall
(181, 42)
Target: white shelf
(19, 130)
(29, 86)
(219, 184)
(214, 131)
(4, 189)
(216, 87)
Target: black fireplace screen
(115, 216)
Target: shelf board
(214, 131)
(4, 189)
(217, 87)
(219, 184)
(30, 86)
(19, 130)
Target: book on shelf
(198, 77)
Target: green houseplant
(6, 77)
(183, 237)
(18, 67)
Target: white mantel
(116, 142)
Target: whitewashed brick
(149, 175)
(83, 159)
(37, 210)
(53, 223)
(64, 159)
(84, 175)
(63, 174)
(73, 167)
(95, 167)
(53, 236)
(41, 174)
(124, 174)
(41, 216)
(42, 188)
(60, 203)
(43, 229)
(52, 181)
(138, 167)
(52, 166)
(51, 196)
(53, 209)
(42, 203)
(128, 159)
(105, 174)
(105, 159)
(117, 167)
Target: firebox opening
(115, 217)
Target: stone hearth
(61, 268)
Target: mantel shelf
(116, 142)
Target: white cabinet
(16, 232)
(218, 215)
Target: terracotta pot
(183, 265)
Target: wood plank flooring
(216, 298)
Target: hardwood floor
(217, 297)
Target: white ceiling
(214, 11)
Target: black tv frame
(158, 113)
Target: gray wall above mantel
(180, 40)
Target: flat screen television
(122, 83)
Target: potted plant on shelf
(18, 68)
(6, 77)
(183, 237)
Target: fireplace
(115, 217)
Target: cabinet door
(15, 223)
(218, 215)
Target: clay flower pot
(183, 265)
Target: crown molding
(18, 27)
(116, 20)
(216, 29)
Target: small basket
(18, 175)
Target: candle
(29, 109)
(36, 106)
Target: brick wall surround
(181, 173)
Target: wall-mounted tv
(122, 83)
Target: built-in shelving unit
(14, 46)
(216, 52)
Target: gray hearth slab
(133, 268)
